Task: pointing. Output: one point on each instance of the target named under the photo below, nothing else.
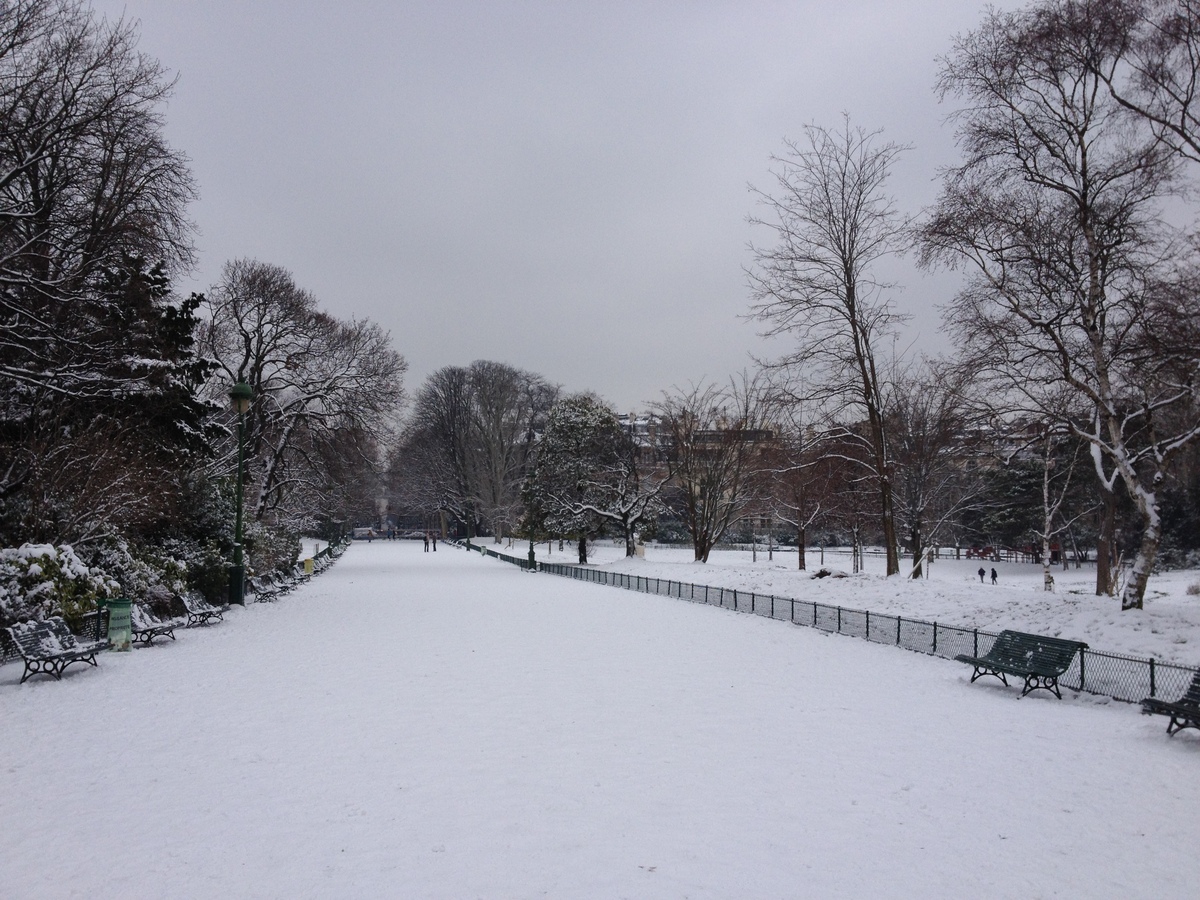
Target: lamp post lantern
(240, 396)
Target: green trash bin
(308, 566)
(120, 623)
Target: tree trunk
(629, 549)
(918, 551)
(887, 505)
(800, 539)
(1135, 588)
(1104, 543)
(1047, 578)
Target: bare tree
(586, 475)
(92, 228)
(1155, 72)
(1057, 212)
(796, 473)
(929, 420)
(833, 222)
(326, 393)
(470, 439)
(87, 181)
(717, 441)
(1056, 492)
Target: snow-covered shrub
(207, 566)
(1193, 589)
(140, 571)
(1173, 558)
(270, 547)
(42, 580)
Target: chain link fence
(1128, 678)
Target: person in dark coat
(993, 576)
(427, 542)
(982, 572)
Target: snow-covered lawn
(444, 725)
(1167, 629)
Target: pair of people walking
(983, 572)
(430, 538)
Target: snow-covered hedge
(41, 580)
(141, 571)
(270, 548)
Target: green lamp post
(240, 396)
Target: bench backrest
(1191, 697)
(37, 640)
(1039, 654)
(195, 603)
(143, 616)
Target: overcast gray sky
(560, 186)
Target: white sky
(561, 186)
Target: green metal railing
(1116, 675)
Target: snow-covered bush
(42, 580)
(1174, 558)
(270, 547)
(140, 571)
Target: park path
(442, 725)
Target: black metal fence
(1116, 675)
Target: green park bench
(200, 611)
(1039, 660)
(48, 647)
(147, 624)
(1184, 712)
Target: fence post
(1152, 685)
(752, 603)
(935, 638)
(868, 624)
(839, 620)
(897, 631)
(976, 644)
(814, 615)
(1082, 653)
(793, 602)
(772, 606)
(735, 600)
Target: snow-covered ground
(1167, 629)
(446, 726)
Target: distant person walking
(982, 572)
(993, 576)
(427, 542)
(434, 539)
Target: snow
(444, 725)
(1168, 629)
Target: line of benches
(192, 610)
(48, 646)
(273, 585)
(1041, 661)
